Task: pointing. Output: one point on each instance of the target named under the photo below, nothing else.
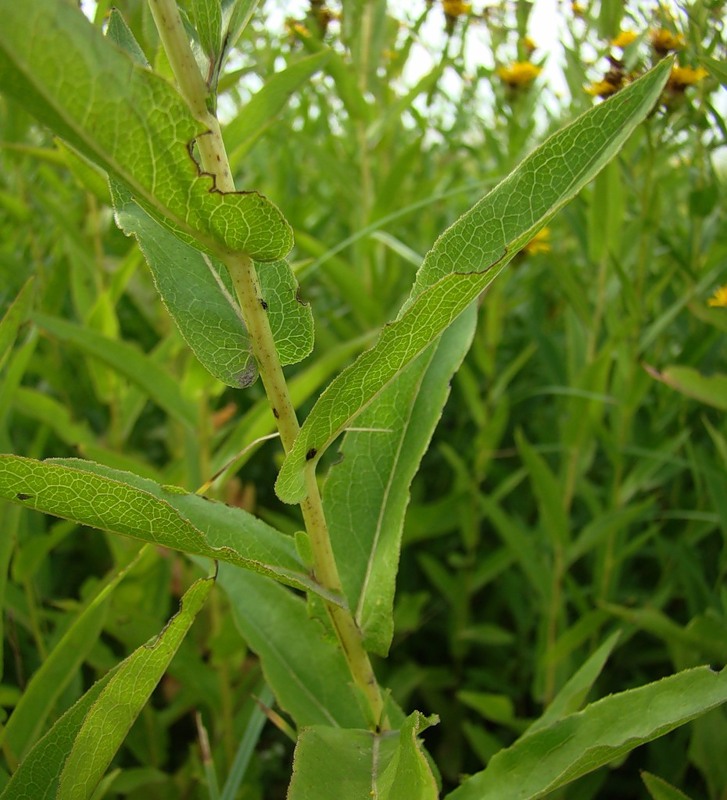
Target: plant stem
(254, 313)
(194, 90)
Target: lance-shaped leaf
(335, 763)
(196, 290)
(468, 257)
(264, 106)
(604, 731)
(127, 360)
(123, 503)
(57, 670)
(132, 123)
(305, 669)
(70, 760)
(367, 492)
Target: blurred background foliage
(577, 484)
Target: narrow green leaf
(235, 15)
(120, 34)
(717, 68)
(305, 669)
(709, 389)
(548, 493)
(334, 763)
(659, 789)
(367, 492)
(132, 123)
(572, 696)
(127, 360)
(37, 777)
(709, 644)
(603, 732)
(57, 670)
(467, 257)
(606, 214)
(206, 17)
(122, 503)
(14, 317)
(265, 105)
(109, 719)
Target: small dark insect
(311, 454)
(276, 414)
(21, 496)
(264, 305)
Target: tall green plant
(218, 257)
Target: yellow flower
(624, 39)
(456, 8)
(577, 9)
(519, 74)
(663, 41)
(540, 243)
(681, 77)
(602, 89)
(719, 298)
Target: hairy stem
(254, 312)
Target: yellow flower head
(540, 243)
(577, 9)
(297, 29)
(602, 89)
(664, 41)
(456, 8)
(681, 77)
(624, 39)
(719, 298)
(519, 74)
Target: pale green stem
(254, 312)
(194, 90)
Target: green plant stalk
(214, 160)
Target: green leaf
(72, 757)
(206, 16)
(539, 763)
(305, 669)
(548, 493)
(197, 293)
(367, 492)
(334, 763)
(120, 33)
(467, 257)
(659, 789)
(192, 290)
(709, 389)
(132, 123)
(693, 638)
(122, 503)
(127, 360)
(57, 670)
(14, 317)
(236, 14)
(264, 106)
(290, 317)
(572, 696)
(112, 715)
(717, 68)
(37, 777)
